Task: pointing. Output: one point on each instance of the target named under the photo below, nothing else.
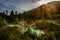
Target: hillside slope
(44, 10)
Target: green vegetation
(15, 34)
(2, 22)
(50, 27)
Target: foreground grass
(13, 33)
(52, 32)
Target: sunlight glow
(44, 2)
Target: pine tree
(6, 12)
(12, 13)
(12, 16)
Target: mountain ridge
(47, 9)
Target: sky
(21, 5)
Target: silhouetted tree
(12, 16)
(6, 12)
(19, 16)
(16, 13)
(12, 13)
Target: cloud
(21, 5)
(17, 4)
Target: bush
(2, 22)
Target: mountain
(44, 10)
